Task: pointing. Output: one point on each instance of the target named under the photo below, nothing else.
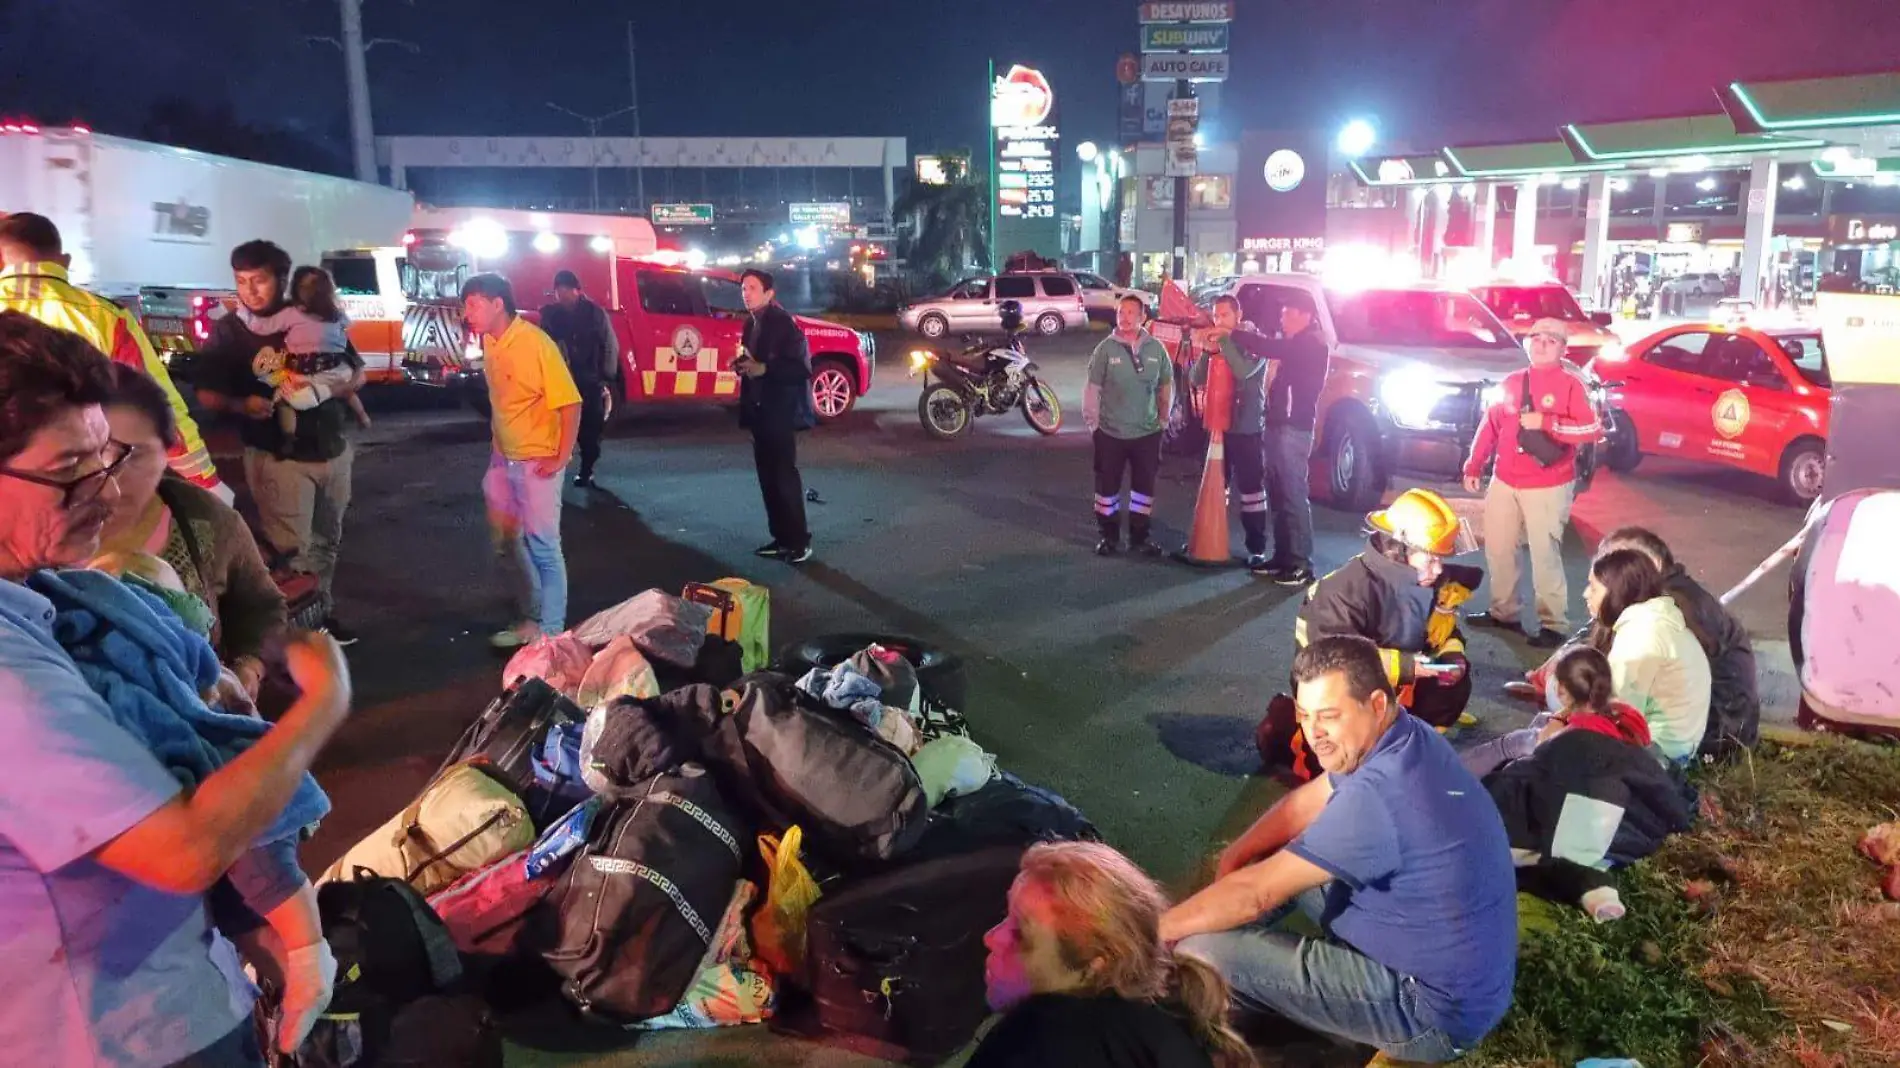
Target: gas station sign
(1022, 123)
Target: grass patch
(1759, 938)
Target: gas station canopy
(1804, 121)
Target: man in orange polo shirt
(537, 416)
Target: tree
(950, 234)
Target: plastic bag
(778, 931)
(731, 987)
(619, 670)
(663, 626)
(559, 660)
(952, 765)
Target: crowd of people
(147, 848)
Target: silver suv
(1052, 303)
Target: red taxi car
(1754, 398)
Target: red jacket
(1559, 393)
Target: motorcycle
(981, 380)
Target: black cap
(566, 279)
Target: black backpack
(894, 962)
(392, 951)
(640, 904)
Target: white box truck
(152, 226)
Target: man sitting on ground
(1396, 853)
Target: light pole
(593, 133)
(356, 80)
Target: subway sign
(1163, 38)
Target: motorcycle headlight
(919, 359)
(1410, 397)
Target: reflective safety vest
(42, 291)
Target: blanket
(150, 669)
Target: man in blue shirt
(108, 955)
(1396, 853)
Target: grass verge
(1759, 938)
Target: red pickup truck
(678, 327)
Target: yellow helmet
(1424, 520)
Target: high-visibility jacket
(42, 291)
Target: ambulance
(677, 321)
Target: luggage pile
(675, 836)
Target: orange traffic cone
(1207, 538)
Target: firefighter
(1403, 595)
(33, 280)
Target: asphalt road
(1130, 686)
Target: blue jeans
(1289, 454)
(1322, 985)
(524, 515)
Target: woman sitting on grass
(1659, 667)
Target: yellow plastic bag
(778, 933)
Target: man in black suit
(775, 404)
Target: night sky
(1428, 70)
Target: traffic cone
(1207, 539)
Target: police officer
(1403, 595)
(1130, 388)
(1245, 458)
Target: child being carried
(312, 366)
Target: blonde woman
(1080, 973)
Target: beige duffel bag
(462, 821)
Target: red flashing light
(11, 127)
(201, 329)
(409, 238)
(197, 302)
(82, 129)
(27, 127)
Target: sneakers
(775, 551)
(1145, 547)
(514, 637)
(1603, 904)
(1547, 639)
(1292, 576)
(1107, 548)
(584, 481)
(338, 633)
(1521, 690)
(1492, 621)
(1263, 565)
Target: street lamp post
(593, 134)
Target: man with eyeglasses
(1533, 432)
(109, 955)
